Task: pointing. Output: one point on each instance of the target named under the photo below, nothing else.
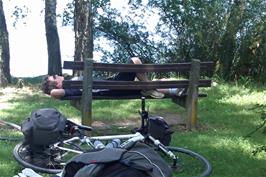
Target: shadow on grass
(228, 155)
(22, 106)
(225, 113)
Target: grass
(224, 117)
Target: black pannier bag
(159, 129)
(44, 127)
(138, 161)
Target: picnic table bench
(195, 69)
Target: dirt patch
(174, 120)
(121, 124)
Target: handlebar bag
(159, 129)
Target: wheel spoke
(38, 162)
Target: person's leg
(140, 76)
(144, 77)
(129, 76)
(173, 91)
(124, 76)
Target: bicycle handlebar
(72, 126)
(84, 127)
(142, 104)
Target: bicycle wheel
(189, 163)
(39, 162)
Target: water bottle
(114, 143)
(98, 144)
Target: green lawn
(225, 117)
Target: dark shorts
(72, 92)
(124, 76)
(98, 92)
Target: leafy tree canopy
(231, 33)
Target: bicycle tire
(21, 155)
(206, 166)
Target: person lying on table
(52, 85)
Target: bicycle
(57, 154)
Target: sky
(27, 41)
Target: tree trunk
(88, 51)
(83, 30)
(228, 43)
(53, 44)
(5, 76)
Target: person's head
(51, 82)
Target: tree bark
(5, 76)
(88, 52)
(53, 43)
(228, 43)
(83, 30)
(84, 52)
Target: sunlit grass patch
(224, 118)
(115, 110)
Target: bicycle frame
(130, 138)
(60, 152)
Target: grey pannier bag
(44, 127)
(139, 161)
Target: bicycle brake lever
(164, 149)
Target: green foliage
(229, 33)
(20, 14)
(68, 14)
(261, 110)
(28, 80)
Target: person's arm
(57, 93)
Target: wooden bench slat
(133, 85)
(131, 89)
(176, 67)
(123, 97)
